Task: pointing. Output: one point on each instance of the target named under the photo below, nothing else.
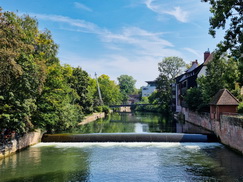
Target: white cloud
(132, 50)
(195, 52)
(140, 42)
(179, 14)
(82, 25)
(82, 6)
(162, 8)
(140, 68)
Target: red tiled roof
(224, 97)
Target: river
(106, 162)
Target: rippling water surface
(123, 162)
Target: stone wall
(125, 109)
(20, 143)
(92, 118)
(229, 129)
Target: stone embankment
(92, 118)
(229, 129)
(12, 146)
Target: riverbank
(12, 146)
(15, 145)
(229, 128)
(92, 117)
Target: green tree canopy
(79, 81)
(220, 73)
(110, 91)
(127, 85)
(228, 12)
(23, 50)
(35, 89)
(171, 67)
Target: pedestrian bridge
(129, 105)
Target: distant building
(149, 89)
(132, 99)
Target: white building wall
(202, 72)
(148, 90)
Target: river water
(111, 162)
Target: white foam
(129, 144)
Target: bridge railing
(129, 105)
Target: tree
(171, 67)
(57, 110)
(22, 70)
(127, 86)
(79, 81)
(194, 99)
(220, 73)
(110, 91)
(228, 12)
(164, 93)
(34, 88)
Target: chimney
(194, 62)
(206, 55)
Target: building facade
(189, 80)
(149, 89)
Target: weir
(128, 137)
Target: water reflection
(137, 123)
(129, 123)
(46, 164)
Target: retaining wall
(92, 118)
(20, 143)
(229, 129)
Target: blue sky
(116, 37)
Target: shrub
(106, 109)
(240, 108)
(98, 109)
(193, 98)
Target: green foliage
(22, 70)
(127, 86)
(228, 16)
(164, 93)
(36, 91)
(103, 108)
(194, 99)
(171, 67)
(57, 109)
(106, 109)
(98, 109)
(147, 108)
(79, 81)
(110, 91)
(228, 13)
(240, 108)
(220, 73)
